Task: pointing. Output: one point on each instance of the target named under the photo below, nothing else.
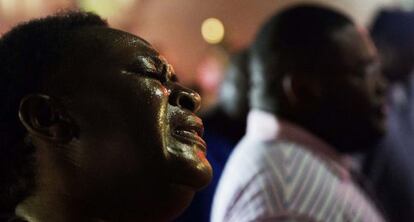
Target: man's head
(106, 118)
(313, 66)
(393, 34)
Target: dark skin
(123, 145)
(345, 105)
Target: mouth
(190, 132)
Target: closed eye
(138, 73)
(144, 66)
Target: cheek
(151, 126)
(109, 156)
(349, 96)
(124, 130)
(153, 104)
(363, 92)
(152, 92)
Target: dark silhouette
(94, 126)
(316, 96)
(390, 166)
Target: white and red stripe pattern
(290, 176)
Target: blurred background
(196, 36)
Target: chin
(189, 167)
(166, 204)
(177, 201)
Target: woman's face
(139, 144)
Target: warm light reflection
(33, 7)
(212, 30)
(8, 7)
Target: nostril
(186, 102)
(184, 98)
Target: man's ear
(301, 90)
(43, 118)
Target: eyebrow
(149, 66)
(144, 64)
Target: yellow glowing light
(212, 30)
(105, 8)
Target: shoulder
(269, 157)
(277, 179)
(261, 176)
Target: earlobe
(42, 118)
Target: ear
(300, 89)
(43, 118)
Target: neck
(52, 207)
(43, 207)
(344, 137)
(49, 204)
(63, 193)
(51, 198)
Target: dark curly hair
(29, 53)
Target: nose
(184, 97)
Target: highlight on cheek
(200, 154)
(161, 92)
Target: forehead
(355, 46)
(101, 54)
(108, 42)
(103, 49)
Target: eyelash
(162, 76)
(156, 76)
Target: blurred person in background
(317, 96)
(94, 126)
(225, 124)
(390, 167)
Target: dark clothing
(390, 166)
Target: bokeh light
(212, 30)
(105, 8)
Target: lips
(187, 151)
(190, 132)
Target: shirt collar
(265, 126)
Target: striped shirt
(280, 172)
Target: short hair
(297, 40)
(28, 54)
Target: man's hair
(28, 55)
(295, 41)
